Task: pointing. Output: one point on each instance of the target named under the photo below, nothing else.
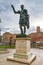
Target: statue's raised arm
(14, 9)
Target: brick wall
(37, 36)
(7, 36)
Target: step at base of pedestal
(27, 61)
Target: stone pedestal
(23, 53)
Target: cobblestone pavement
(37, 52)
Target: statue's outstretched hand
(12, 6)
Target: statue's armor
(23, 18)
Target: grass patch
(4, 47)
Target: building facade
(37, 37)
(8, 37)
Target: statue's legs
(21, 29)
(24, 29)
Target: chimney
(38, 29)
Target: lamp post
(0, 30)
(0, 25)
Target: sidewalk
(37, 52)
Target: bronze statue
(24, 18)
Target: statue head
(22, 6)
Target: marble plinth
(23, 53)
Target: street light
(0, 20)
(0, 29)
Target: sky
(11, 20)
